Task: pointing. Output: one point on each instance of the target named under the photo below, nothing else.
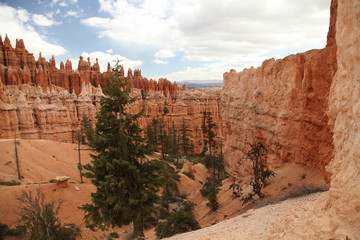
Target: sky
(175, 39)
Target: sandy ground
(254, 224)
(42, 160)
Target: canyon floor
(43, 160)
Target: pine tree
(212, 162)
(86, 130)
(184, 140)
(126, 184)
(209, 132)
(258, 155)
(152, 132)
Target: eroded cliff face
(283, 104)
(40, 101)
(337, 214)
(188, 107)
(30, 113)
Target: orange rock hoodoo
(18, 66)
(36, 103)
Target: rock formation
(39, 101)
(189, 105)
(283, 104)
(18, 66)
(337, 214)
(55, 114)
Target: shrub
(114, 235)
(210, 190)
(3, 230)
(41, 220)
(189, 175)
(17, 231)
(10, 183)
(177, 222)
(258, 156)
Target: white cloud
(15, 25)
(97, 22)
(165, 53)
(213, 30)
(109, 51)
(54, 2)
(158, 61)
(105, 58)
(72, 13)
(214, 71)
(23, 15)
(63, 4)
(42, 20)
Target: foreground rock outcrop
(283, 104)
(336, 215)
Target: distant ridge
(202, 83)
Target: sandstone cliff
(281, 103)
(39, 101)
(55, 114)
(337, 214)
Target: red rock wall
(31, 113)
(190, 105)
(336, 215)
(283, 104)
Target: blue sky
(176, 39)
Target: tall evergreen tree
(184, 140)
(213, 161)
(126, 184)
(86, 130)
(209, 132)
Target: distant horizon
(177, 40)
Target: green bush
(210, 191)
(177, 222)
(10, 183)
(6, 231)
(3, 230)
(189, 175)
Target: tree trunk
(138, 232)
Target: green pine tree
(126, 184)
(184, 140)
(214, 162)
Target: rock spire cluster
(18, 66)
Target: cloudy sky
(176, 39)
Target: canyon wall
(282, 104)
(40, 101)
(337, 214)
(30, 113)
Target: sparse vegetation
(114, 235)
(40, 218)
(189, 175)
(177, 222)
(258, 155)
(10, 183)
(214, 162)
